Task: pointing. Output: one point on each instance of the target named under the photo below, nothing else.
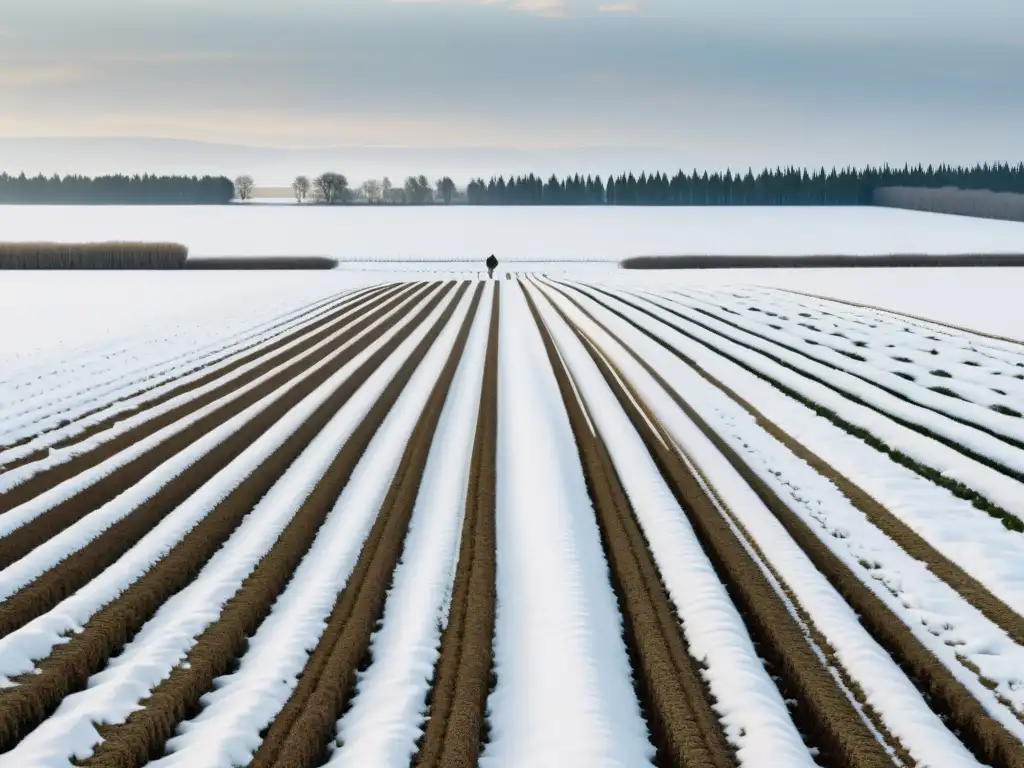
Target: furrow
(823, 707)
(457, 700)
(299, 735)
(684, 727)
(81, 501)
(134, 386)
(143, 735)
(70, 664)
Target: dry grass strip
(69, 665)
(112, 255)
(684, 728)
(823, 710)
(456, 703)
(299, 735)
(143, 735)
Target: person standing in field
(492, 264)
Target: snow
(754, 715)
(243, 703)
(389, 707)
(564, 692)
(73, 316)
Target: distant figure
(492, 264)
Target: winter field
(528, 234)
(591, 518)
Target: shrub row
(111, 255)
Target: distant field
(349, 519)
(588, 234)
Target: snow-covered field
(601, 518)
(519, 233)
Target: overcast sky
(716, 81)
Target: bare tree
(244, 186)
(372, 190)
(386, 189)
(331, 188)
(301, 187)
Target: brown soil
(456, 703)
(145, 732)
(824, 712)
(299, 735)
(69, 666)
(684, 728)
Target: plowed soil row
(143, 735)
(299, 735)
(969, 588)
(69, 665)
(684, 728)
(823, 710)
(24, 539)
(950, 699)
(280, 334)
(457, 701)
(353, 321)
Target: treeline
(790, 186)
(115, 190)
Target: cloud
(35, 76)
(625, 6)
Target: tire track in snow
(69, 665)
(299, 736)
